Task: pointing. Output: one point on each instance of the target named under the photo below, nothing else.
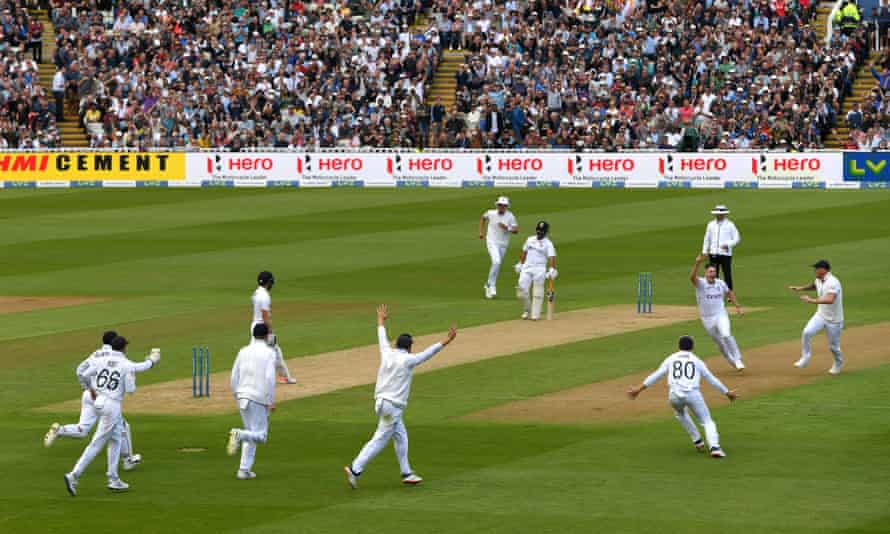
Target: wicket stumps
(645, 291)
(200, 371)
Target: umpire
(721, 236)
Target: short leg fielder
(389, 426)
(815, 325)
(256, 430)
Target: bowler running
(391, 398)
(501, 225)
(684, 372)
(711, 294)
(829, 316)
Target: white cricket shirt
(684, 372)
(106, 374)
(711, 298)
(718, 234)
(496, 234)
(397, 370)
(104, 350)
(538, 251)
(834, 312)
(253, 374)
(261, 301)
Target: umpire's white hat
(720, 209)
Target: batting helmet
(542, 229)
(264, 278)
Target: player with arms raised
(684, 372)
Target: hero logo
(576, 166)
(219, 164)
(670, 164)
(487, 164)
(398, 164)
(328, 164)
(766, 165)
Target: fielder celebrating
(684, 373)
(391, 397)
(88, 415)
(262, 313)
(721, 236)
(537, 262)
(105, 377)
(501, 224)
(711, 294)
(253, 385)
(829, 315)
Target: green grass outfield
(178, 267)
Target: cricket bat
(550, 297)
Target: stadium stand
(611, 74)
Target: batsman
(537, 264)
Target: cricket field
(519, 427)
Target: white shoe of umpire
(717, 452)
(234, 441)
(411, 479)
(835, 369)
(116, 484)
(800, 364)
(245, 475)
(132, 461)
(351, 478)
(51, 435)
(71, 484)
(739, 365)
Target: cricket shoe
(488, 293)
(51, 435)
(700, 446)
(739, 365)
(116, 484)
(71, 484)
(835, 369)
(286, 380)
(234, 440)
(351, 478)
(132, 461)
(411, 479)
(245, 475)
(717, 452)
(524, 316)
(800, 364)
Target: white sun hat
(720, 209)
(503, 201)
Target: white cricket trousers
(390, 426)
(693, 400)
(717, 326)
(111, 426)
(532, 301)
(833, 330)
(256, 430)
(280, 364)
(497, 252)
(88, 418)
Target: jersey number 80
(682, 370)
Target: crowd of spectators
(669, 74)
(26, 109)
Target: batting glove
(552, 274)
(154, 356)
(272, 340)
